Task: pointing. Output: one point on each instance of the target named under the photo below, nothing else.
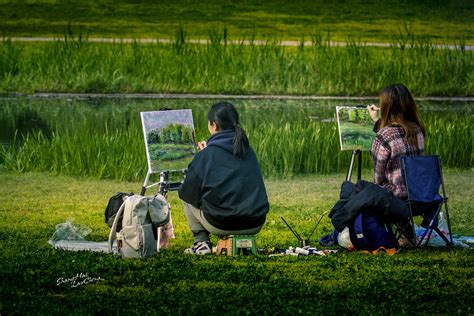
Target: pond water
(276, 128)
(24, 115)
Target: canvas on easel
(355, 133)
(355, 128)
(169, 141)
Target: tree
(153, 137)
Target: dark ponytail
(241, 142)
(225, 116)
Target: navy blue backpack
(369, 233)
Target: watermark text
(78, 280)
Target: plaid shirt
(387, 148)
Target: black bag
(112, 208)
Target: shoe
(327, 240)
(199, 248)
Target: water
(24, 115)
(289, 136)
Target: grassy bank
(378, 21)
(104, 138)
(423, 281)
(77, 65)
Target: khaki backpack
(142, 215)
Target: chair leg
(440, 233)
(445, 199)
(448, 221)
(224, 244)
(430, 228)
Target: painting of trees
(355, 127)
(169, 137)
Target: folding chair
(423, 178)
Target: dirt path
(204, 41)
(218, 96)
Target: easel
(164, 186)
(355, 153)
(153, 123)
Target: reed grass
(104, 139)
(77, 65)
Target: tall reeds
(103, 138)
(78, 65)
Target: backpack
(369, 233)
(141, 216)
(112, 208)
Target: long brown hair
(398, 107)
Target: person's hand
(373, 111)
(202, 145)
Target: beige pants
(201, 228)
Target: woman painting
(399, 133)
(223, 192)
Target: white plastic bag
(435, 239)
(344, 239)
(70, 231)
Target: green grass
(77, 65)
(357, 136)
(104, 139)
(383, 21)
(429, 281)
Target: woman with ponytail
(223, 192)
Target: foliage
(429, 281)
(171, 134)
(78, 65)
(169, 151)
(104, 138)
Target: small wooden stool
(236, 244)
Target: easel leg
(355, 153)
(359, 165)
(162, 189)
(145, 183)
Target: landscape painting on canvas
(355, 128)
(169, 139)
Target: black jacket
(367, 196)
(229, 190)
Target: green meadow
(422, 281)
(61, 159)
(170, 156)
(368, 21)
(357, 136)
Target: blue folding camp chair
(423, 178)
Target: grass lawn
(382, 21)
(31, 204)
